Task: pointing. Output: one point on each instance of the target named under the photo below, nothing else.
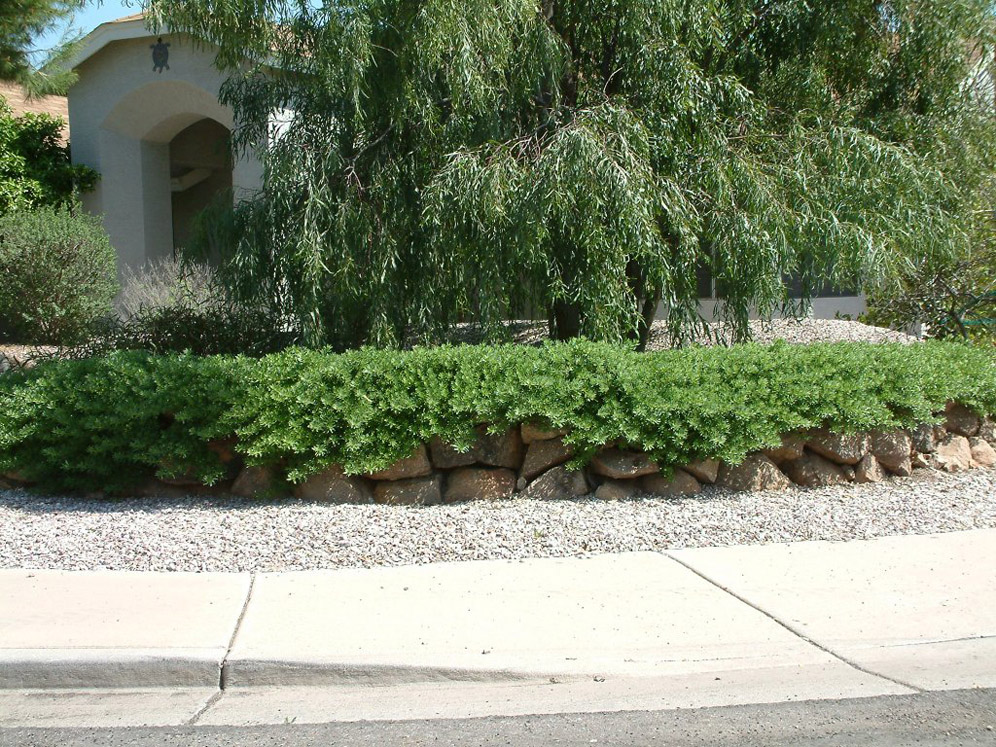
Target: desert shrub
(950, 297)
(174, 306)
(167, 282)
(110, 421)
(57, 275)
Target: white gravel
(803, 331)
(198, 534)
(795, 331)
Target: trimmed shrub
(57, 275)
(110, 422)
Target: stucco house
(145, 114)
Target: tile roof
(17, 99)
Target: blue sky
(91, 16)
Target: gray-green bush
(57, 275)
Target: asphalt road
(966, 717)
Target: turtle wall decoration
(160, 55)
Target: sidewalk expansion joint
(224, 659)
(794, 630)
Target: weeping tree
(22, 22)
(431, 161)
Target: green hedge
(111, 422)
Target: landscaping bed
(456, 423)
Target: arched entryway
(165, 155)
(200, 171)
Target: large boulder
(335, 486)
(254, 482)
(680, 483)
(558, 482)
(622, 464)
(892, 449)
(983, 453)
(542, 455)
(869, 470)
(987, 430)
(791, 448)
(15, 477)
(704, 470)
(961, 420)
(499, 449)
(926, 436)
(415, 465)
(757, 472)
(813, 471)
(532, 433)
(187, 478)
(954, 454)
(224, 449)
(839, 448)
(425, 491)
(493, 449)
(479, 483)
(445, 456)
(617, 490)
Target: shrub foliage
(35, 168)
(57, 275)
(173, 307)
(111, 422)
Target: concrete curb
(23, 669)
(263, 673)
(890, 615)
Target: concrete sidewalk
(697, 627)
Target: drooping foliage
(21, 23)
(432, 161)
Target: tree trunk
(645, 300)
(647, 315)
(567, 320)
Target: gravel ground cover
(198, 534)
(794, 331)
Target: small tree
(35, 168)
(468, 160)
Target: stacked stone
(528, 460)
(531, 461)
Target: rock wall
(531, 462)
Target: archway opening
(200, 169)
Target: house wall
(828, 307)
(123, 115)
